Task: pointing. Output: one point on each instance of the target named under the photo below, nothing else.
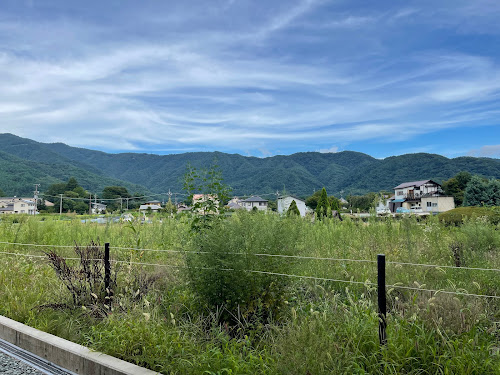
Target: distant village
(416, 197)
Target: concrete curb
(64, 353)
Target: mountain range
(24, 162)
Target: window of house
(400, 192)
(429, 204)
(262, 203)
(434, 205)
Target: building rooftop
(414, 183)
(255, 199)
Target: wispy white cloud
(330, 150)
(216, 83)
(486, 151)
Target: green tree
(113, 192)
(115, 196)
(72, 184)
(323, 204)
(170, 207)
(476, 192)
(293, 209)
(362, 202)
(456, 185)
(2, 194)
(72, 196)
(209, 183)
(494, 192)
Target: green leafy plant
(226, 273)
(208, 193)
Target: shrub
(85, 280)
(225, 271)
(457, 215)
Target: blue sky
(254, 77)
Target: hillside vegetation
(300, 174)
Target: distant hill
(24, 162)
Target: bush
(86, 279)
(225, 271)
(457, 215)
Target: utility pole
(170, 200)
(127, 202)
(60, 205)
(121, 204)
(35, 196)
(90, 204)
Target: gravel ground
(11, 366)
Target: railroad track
(40, 364)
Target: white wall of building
(261, 206)
(438, 204)
(285, 202)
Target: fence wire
(366, 283)
(269, 255)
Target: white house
(254, 201)
(14, 205)
(98, 208)
(285, 202)
(155, 206)
(421, 196)
(383, 205)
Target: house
(421, 196)
(154, 206)
(255, 202)
(235, 204)
(200, 199)
(285, 202)
(152, 203)
(15, 205)
(98, 208)
(383, 204)
(182, 208)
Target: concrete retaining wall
(64, 353)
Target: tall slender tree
(293, 209)
(323, 205)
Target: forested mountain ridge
(300, 173)
(24, 162)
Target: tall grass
(324, 327)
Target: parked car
(402, 210)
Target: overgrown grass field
(217, 303)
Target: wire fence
(305, 277)
(267, 255)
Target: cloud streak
(288, 76)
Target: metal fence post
(107, 273)
(382, 301)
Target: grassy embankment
(322, 327)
